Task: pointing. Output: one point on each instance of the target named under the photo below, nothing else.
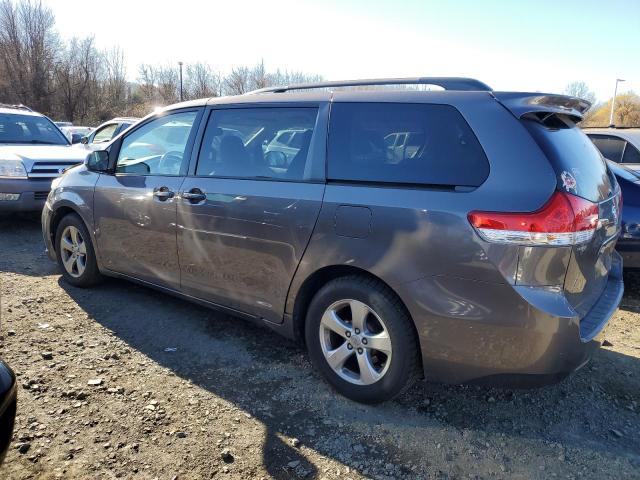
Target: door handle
(163, 193)
(195, 195)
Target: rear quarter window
(579, 167)
(441, 150)
(610, 147)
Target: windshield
(29, 129)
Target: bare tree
(28, 44)
(259, 77)
(75, 76)
(168, 83)
(115, 78)
(237, 82)
(147, 83)
(201, 81)
(581, 90)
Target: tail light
(565, 220)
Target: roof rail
(16, 106)
(448, 83)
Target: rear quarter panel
(420, 232)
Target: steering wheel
(170, 162)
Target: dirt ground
(123, 382)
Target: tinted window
(631, 154)
(579, 166)
(158, 147)
(610, 147)
(251, 142)
(441, 150)
(29, 129)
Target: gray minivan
(483, 253)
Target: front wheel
(75, 253)
(362, 340)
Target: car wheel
(75, 253)
(361, 338)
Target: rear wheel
(362, 340)
(75, 253)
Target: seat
(234, 158)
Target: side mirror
(76, 138)
(84, 140)
(97, 161)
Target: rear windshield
(578, 164)
(404, 143)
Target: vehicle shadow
(271, 378)
(21, 236)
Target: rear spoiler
(521, 104)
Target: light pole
(180, 63)
(613, 102)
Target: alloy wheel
(73, 251)
(355, 342)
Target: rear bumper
(629, 249)
(33, 194)
(478, 332)
(8, 404)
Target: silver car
(618, 144)
(33, 151)
(482, 253)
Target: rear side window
(578, 165)
(610, 147)
(437, 145)
(631, 154)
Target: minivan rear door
(247, 209)
(581, 171)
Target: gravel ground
(122, 381)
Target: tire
(72, 237)
(388, 371)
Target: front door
(135, 209)
(247, 213)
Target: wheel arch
(316, 280)
(58, 214)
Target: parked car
(629, 241)
(485, 255)
(8, 404)
(619, 144)
(33, 151)
(105, 132)
(76, 133)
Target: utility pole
(181, 96)
(613, 102)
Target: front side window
(158, 147)
(105, 133)
(404, 143)
(29, 129)
(256, 143)
(610, 147)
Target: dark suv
(481, 250)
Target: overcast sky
(512, 45)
